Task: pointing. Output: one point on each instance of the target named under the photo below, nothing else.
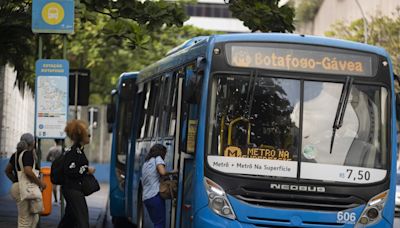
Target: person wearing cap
(25, 146)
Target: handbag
(89, 184)
(36, 206)
(168, 188)
(27, 189)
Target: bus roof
(197, 46)
(126, 75)
(132, 74)
(299, 39)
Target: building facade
(332, 11)
(17, 109)
(213, 15)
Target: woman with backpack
(75, 167)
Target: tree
(263, 15)
(383, 31)
(131, 19)
(107, 57)
(125, 24)
(17, 42)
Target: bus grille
(257, 222)
(299, 200)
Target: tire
(121, 222)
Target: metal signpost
(51, 16)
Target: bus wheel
(140, 212)
(121, 222)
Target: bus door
(122, 146)
(144, 140)
(165, 121)
(188, 131)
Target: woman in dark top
(75, 167)
(25, 146)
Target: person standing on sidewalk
(76, 166)
(27, 144)
(55, 152)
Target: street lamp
(365, 23)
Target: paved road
(97, 203)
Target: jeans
(76, 211)
(156, 208)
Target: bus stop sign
(53, 16)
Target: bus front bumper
(207, 218)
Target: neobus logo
(292, 187)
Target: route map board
(51, 98)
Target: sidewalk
(97, 204)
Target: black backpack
(57, 170)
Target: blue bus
(267, 130)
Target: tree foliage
(131, 19)
(383, 31)
(263, 15)
(107, 57)
(120, 24)
(17, 42)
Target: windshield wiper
(341, 109)
(250, 94)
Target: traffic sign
(51, 98)
(53, 16)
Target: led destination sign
(299, 60)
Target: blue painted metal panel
(5, 185)
(117, 196)
(53, 16)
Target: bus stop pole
(62, 208)
(76, 95)
(38, 142)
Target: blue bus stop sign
(53, 16)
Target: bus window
(160, 108)
(150, 117)
(359, 141)
(253, 117)
(166, 104)
(173, 104)
(144, 113)
(189, 116)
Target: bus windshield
(269, 126)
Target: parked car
(397, 208)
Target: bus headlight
(217, 199)
(373, 211)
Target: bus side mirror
(397, 92)
(110, 113)
(193, 91)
